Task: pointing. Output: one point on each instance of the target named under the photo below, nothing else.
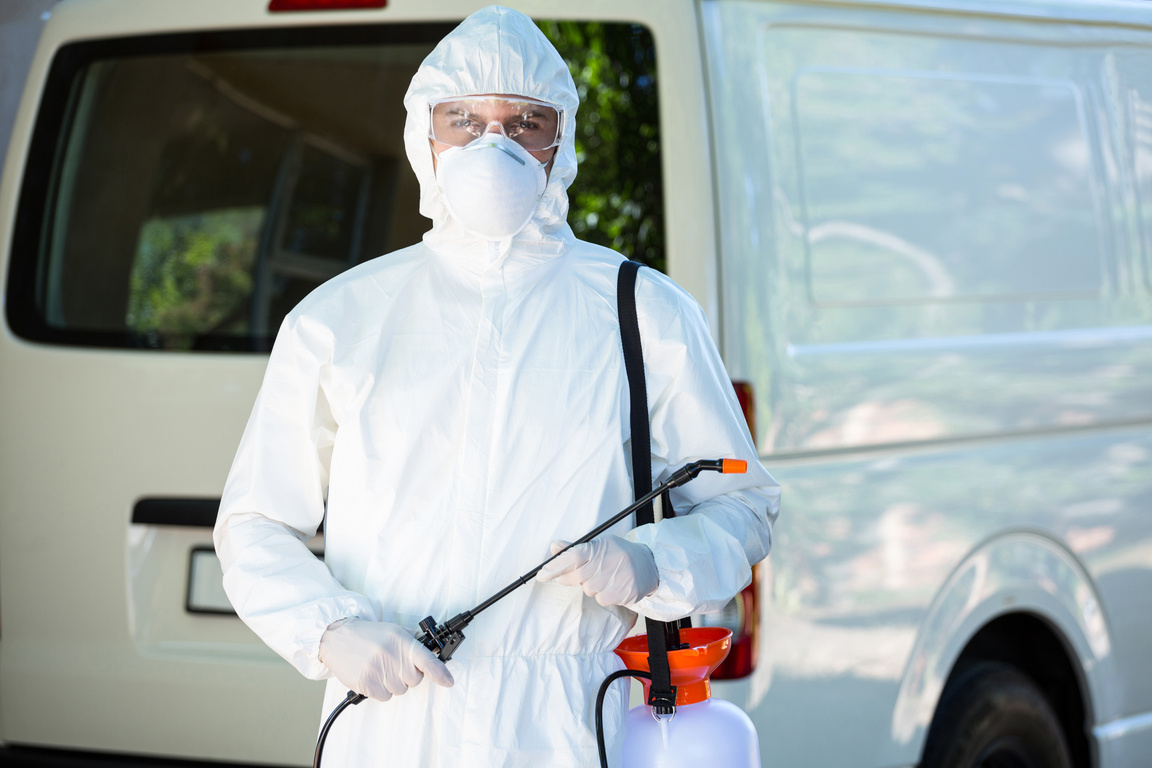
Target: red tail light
(323, 5)
(741, 660)
(747, 404)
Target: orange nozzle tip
(733, 466)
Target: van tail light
(323, 5)
(742, 614)
(742, 617)
(747, 404)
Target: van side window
(184, 192)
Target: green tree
(617, 198)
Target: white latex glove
(613, 570)
(379, 660)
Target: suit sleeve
(273, 502)
(724, 522)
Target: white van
(921, 230)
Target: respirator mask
(490, 180)
(491, 186)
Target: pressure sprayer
(699, 730)
(444, 639)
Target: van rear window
(184, 192)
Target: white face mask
(491, 186)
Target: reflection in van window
(192, 275)
(198, 195)
(323, 213)
(907, 174)
(198, 200)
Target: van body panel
(973, 419)
(858, 352)
(1124, 742)
(1014, 572)
(872, 593)
(123, 651)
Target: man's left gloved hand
(613, 570)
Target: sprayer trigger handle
(451, 641)
(429, 639)
(441, 640)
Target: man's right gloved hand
(379, 660)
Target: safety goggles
(534, 125)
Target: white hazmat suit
(456, 406)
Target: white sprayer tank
(704, 731)
(712, 732)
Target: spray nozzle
(689, 471)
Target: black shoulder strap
(637, 387)
(661, 635)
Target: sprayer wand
(444, 639)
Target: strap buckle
(662, 702)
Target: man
(455, 407)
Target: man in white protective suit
(448, 411)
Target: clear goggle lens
(534, 125)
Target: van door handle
(194, 513)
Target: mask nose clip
(484, 141)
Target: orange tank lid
(690, 667)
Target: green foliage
(193, 275)
(617, 198)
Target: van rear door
(182, 192)
(184, 173)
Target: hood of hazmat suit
(447, 411)
(495, 51)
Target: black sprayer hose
(600, 707)
(349, 700)
(356, 698)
